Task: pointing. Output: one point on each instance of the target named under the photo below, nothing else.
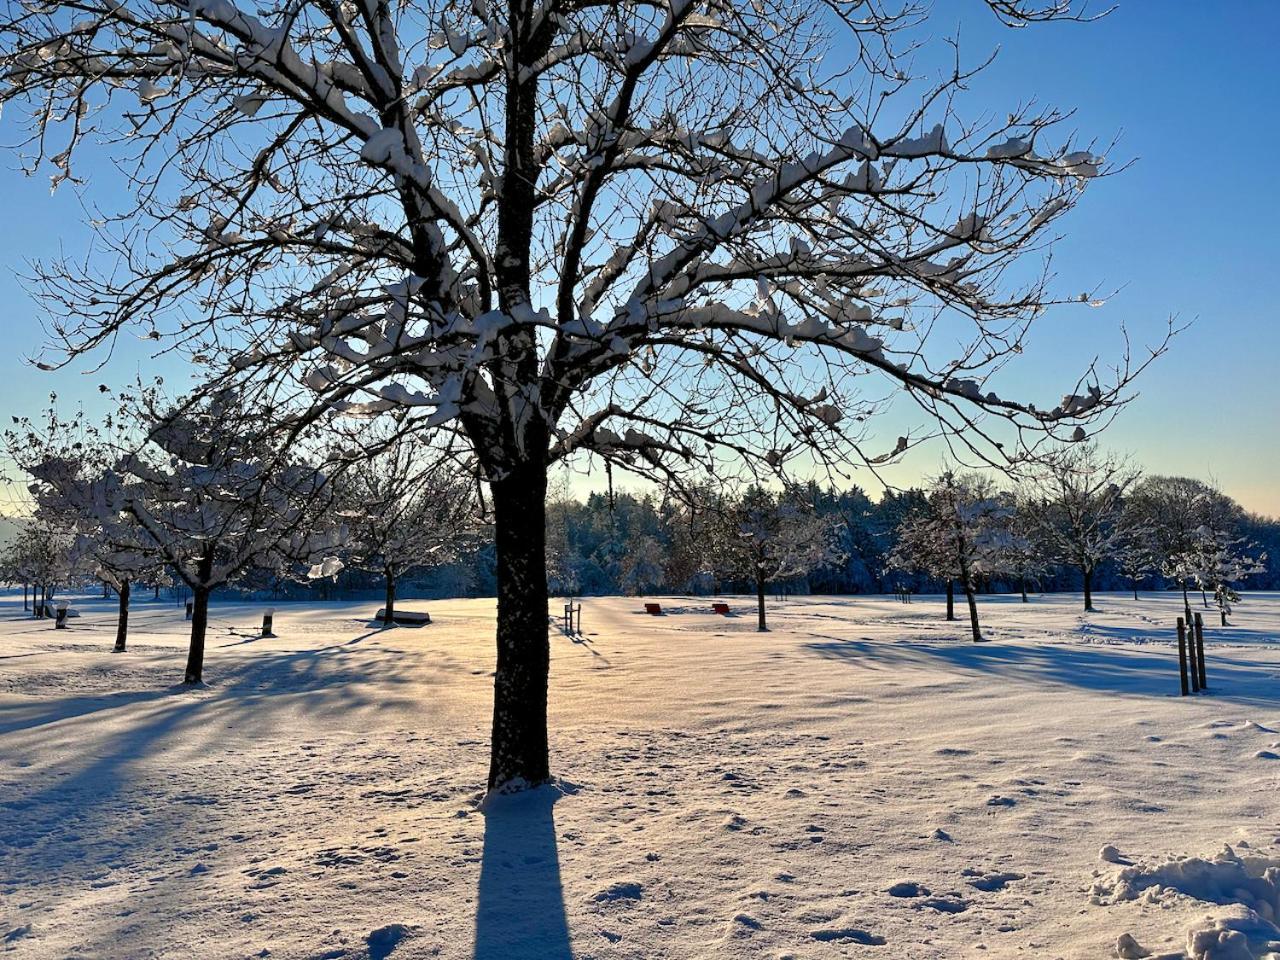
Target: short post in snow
(1204, 683)
(191, 605)
(1191, 657)
(570, 609)
(266, 622)
(61, 622)
(1182, 656)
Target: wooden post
(1204, 683)
(266, 622)
(61, 621)
(1182, 656)
(1191, 657)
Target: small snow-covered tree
(960, 534)
(70, 462)
(406, 510)
(42, 554)
(210, 496)
(1175, 512)
(766, 537)
(672, 234)
(1080, 507)
(1137, 553)
(1024, 554)
(1217, 561)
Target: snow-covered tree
(959, 535)
(1216, 562)
(1176, 512)
(1024, 554)
(1080, 506)
(1137, 553)
(41, 554)
(676, 234)
(406, 510)
(210, 497)
(766, 537)
(70, 462)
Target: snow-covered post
(538, 238)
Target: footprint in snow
(990, 882)
(908, 888)
(847, 935)
(383, 941)
(946, 904)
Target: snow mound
(1226, 878)
(1249, 885)
(1241, 936)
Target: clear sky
(1190, 230)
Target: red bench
(654, 609)
(720, 608)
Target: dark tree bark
(199, 620)
(973, 613)
(122, 621)
(1088, 588)
(762, 625)
(157, 593)
(519, 755)
(951, 600)
(1022, 585)
(389, 606)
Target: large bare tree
(674, 234)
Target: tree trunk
(1022, 584)
(1135, 588)
(199, 620)
(1186, 602)
(518, 754)
(762, 626)
(1204, 598)
(106, 590)
(25, 604)
(951, 600)
(1088, 588)
(157, 593)
(973, 611)
(389, 606)
(122, 621)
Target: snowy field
(862, 781)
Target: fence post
(1182, 656)
(266, 622)
(1204, 682)
(61, 621)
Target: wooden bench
(654, 609)
(411, 618)
(721, 608)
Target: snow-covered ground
(862, 781)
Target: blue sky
(1189, 231)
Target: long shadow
(1145, 671)
(520, 904)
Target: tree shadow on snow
(520, 911)
(1147, 671)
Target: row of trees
(201, 496)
